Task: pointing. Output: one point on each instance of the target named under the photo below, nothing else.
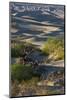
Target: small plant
(55, 47)
(17, 50)
(21, 72)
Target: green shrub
(59, 54)
(21, 72)
(17, 50)
(54, 46)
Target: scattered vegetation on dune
(28, 81)
(54, 47)
(21, 72)
(17, 50)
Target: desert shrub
(14, 52)
(17, 50)
(54, 46)
(21, 72)
(59, 54)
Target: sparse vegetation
(21, 72)
(24, 77)
(54, 47)
(17, 50)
